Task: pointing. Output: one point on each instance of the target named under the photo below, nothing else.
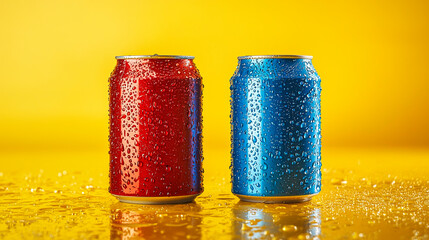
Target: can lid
(155, 56)
(276, 56)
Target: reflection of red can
(155, 129)
(181, 221)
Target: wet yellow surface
(366, 194)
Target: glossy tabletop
(366, 194)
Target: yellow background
(56, 57)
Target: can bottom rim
(157, 200)
(276, 199)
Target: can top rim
(275, 56)
(155, 56)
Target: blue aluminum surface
(275, 127)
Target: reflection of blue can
(275, 127)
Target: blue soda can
(275, 129)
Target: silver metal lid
(155, 56)
(275, 56)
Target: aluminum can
(275, 129)
(155, 129)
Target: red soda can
(155, 130)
